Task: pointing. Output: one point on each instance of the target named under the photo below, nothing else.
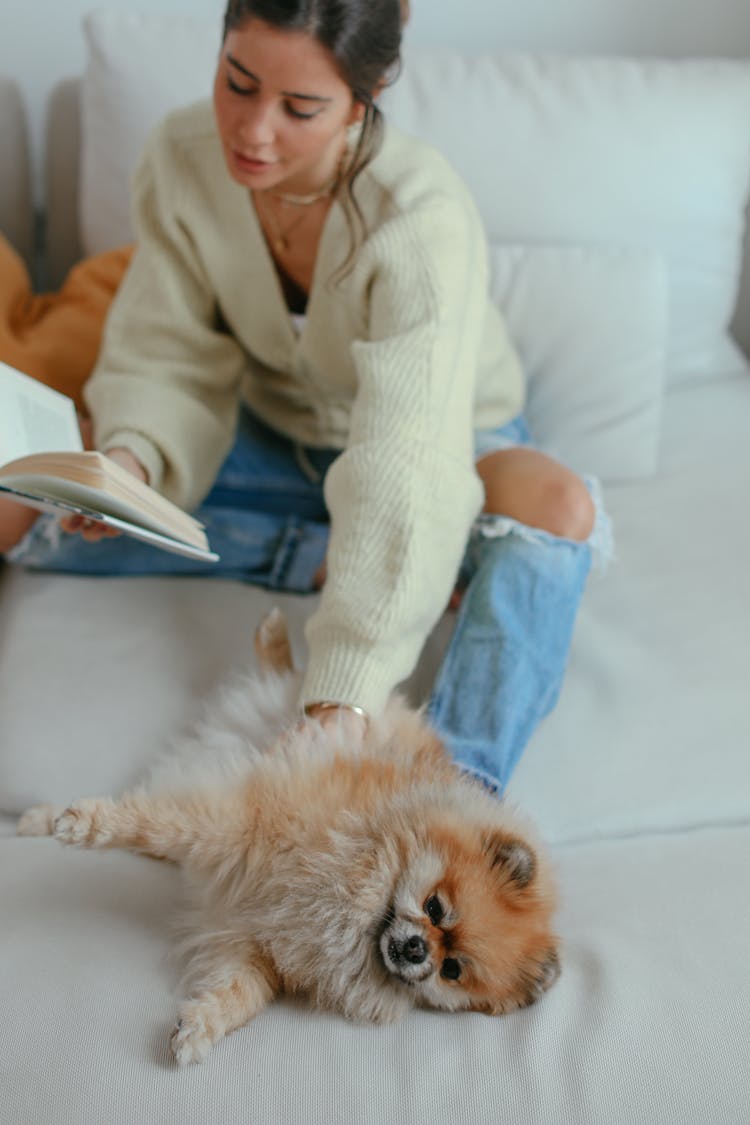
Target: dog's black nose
(414, 950)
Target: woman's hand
(92, 530)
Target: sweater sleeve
(404, 493)
(167, 380)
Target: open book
(43, 464)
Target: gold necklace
(306, 200)
(313, 197)
(279, 237)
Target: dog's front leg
(226, 1000)
(193, 828)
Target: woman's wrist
(129, 461)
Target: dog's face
(469, 923)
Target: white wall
(41, 41)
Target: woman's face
(282, 108)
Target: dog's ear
(535, 977)
(512, 856)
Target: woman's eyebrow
(287, 93)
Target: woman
(305, 332)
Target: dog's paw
(84, 824)
(39, 820)
(190, 1041)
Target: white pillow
(140, 65)
(591, 327)
(609, 151)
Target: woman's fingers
(91, 530)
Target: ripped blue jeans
(504, 666)
(266, 517)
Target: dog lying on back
(370, 875)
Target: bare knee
(566, 508)
(538, 491)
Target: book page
(156, 539)
(34, 418)
(101, 500)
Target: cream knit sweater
(396, 365)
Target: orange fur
(370, 876)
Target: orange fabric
(55, 337)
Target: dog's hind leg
(227, 998)
(272, 646)
(197, 829)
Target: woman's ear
(356, 117)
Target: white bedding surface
(648, 1024)
(652, 729)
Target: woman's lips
(249, 164)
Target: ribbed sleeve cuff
(344, 674)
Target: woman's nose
(257, 128)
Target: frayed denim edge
(486, 780)
(601, 540)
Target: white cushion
(140, 65)
(591, 327)
(557, 150)
(606, 151)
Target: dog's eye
(434, 910)
(450, 969)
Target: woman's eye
(243, 91)
(301, 116)
(450, 969)
(434, 910)
(248, 91)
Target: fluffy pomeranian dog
(369, 874)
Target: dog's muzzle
(405, 952)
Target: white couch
(614, 198)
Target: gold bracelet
(331, 705)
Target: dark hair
(364, 38)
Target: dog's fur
(368, 873)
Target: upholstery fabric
(590, 325)
(16, 220)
